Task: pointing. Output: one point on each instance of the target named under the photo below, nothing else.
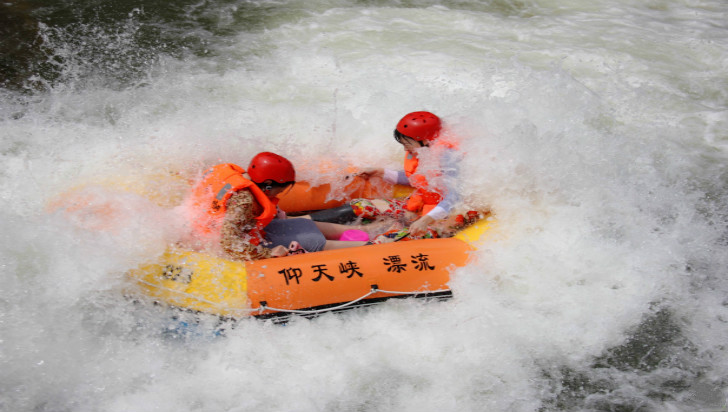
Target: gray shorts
(281, 232)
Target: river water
(596, 131)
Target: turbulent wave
(595, 132)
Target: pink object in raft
(355, 235)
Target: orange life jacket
(424, 198)
(210, 196)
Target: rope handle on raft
(263, 307)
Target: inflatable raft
(305, 284)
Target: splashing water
(596, 133)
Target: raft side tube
(346, 275)
(309, 283)
(304, 197)
(196, 281)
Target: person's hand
(279, 251)
(419, 226)
(368, 173)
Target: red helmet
(421, 126)
(270, 166)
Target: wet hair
(398, 136)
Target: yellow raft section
(208, 284)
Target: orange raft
(307, 284)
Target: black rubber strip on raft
(341, 214)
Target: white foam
(594, 133)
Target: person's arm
(389, 175)
(396, 177)
(239, 221)
(450, 173)
(442, 210)
(449, 168)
